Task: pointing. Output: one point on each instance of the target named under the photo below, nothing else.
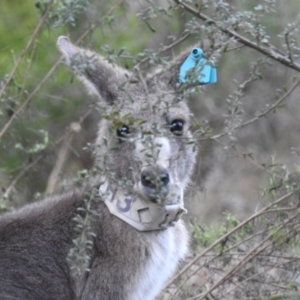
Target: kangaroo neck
(135, 211)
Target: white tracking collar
(142, 215)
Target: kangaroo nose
(153, 178)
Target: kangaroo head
(144, 143)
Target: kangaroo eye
(123, 131)
(177, 127)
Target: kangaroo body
(153, 162)
(125, 263)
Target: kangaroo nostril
(153, 180)
(147, 181)
(165, 179)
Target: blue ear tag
(197, 63)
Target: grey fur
(125, 264)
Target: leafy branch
(265, 48)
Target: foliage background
(52, 119)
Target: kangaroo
(144, 154)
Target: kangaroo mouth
(169, 195)
(155, 195)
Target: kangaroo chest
(167, 249)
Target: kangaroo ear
(98, 75)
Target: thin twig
(20, 175)
(259, 116)
(227, 251)
(260, 273)
(47, 76)
(272, 107)
(270, 51)
(39, 157)
(28, 99)
(28, 45)
(136, 68)
(287, 41)
(62, 156)
(225, 236)
(246, 259)
(26, 77)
